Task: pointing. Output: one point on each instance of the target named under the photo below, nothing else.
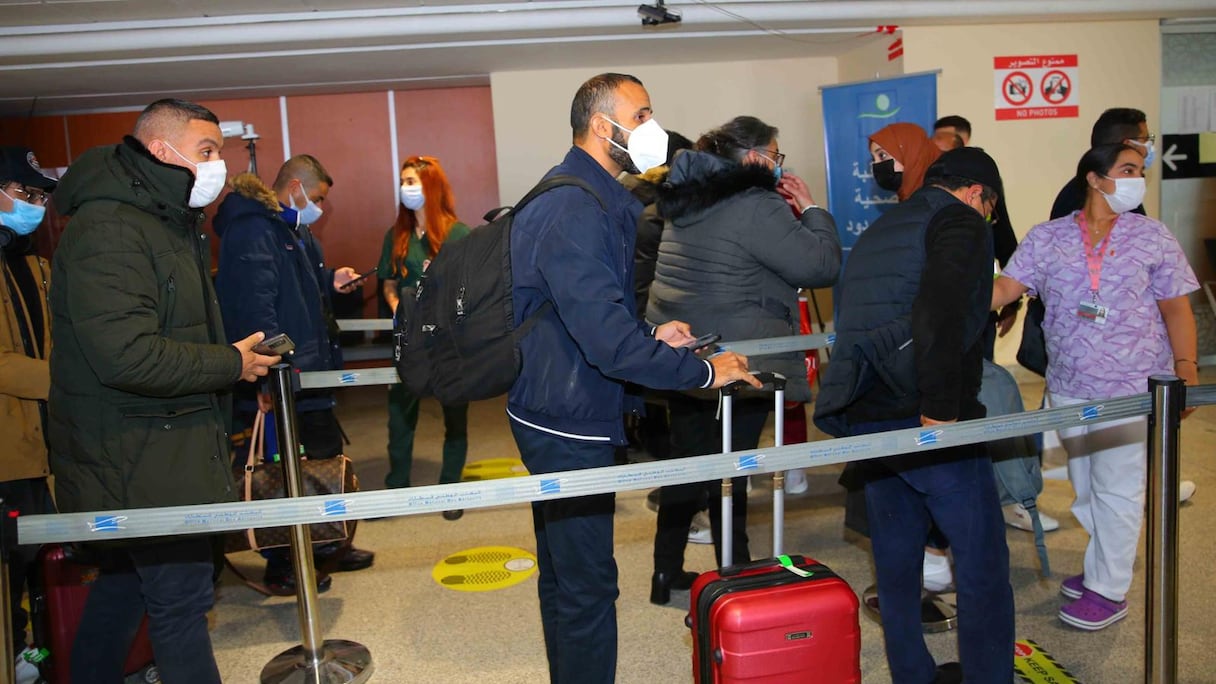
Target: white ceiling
(72, 55)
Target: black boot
(661, 584)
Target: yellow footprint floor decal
(484, 568)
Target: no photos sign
(1035, 87)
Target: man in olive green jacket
(140, 375)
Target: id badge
(1092, 312)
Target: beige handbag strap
(257, 441)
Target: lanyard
(1093, 262)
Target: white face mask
(412, 197)
(647, 144)
(209, 179)
(1128, 194)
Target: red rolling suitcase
(56, 606)
(783, 620)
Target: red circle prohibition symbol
(1055, 86)
(1017, 88)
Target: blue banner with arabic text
(851, 114)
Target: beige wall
(1119, 65)
(532, 110)
(869, 62)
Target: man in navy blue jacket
(567, 404)
(272, 278)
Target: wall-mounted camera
(658, 14)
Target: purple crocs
(1073, 587)
(1092, 612)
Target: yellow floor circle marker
(484, 568)
(493, 469)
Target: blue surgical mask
(23, 218)
(412, 197)
(1150, 152)
(310, 214)
(777, 172)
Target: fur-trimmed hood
(250, 198)
(249, 185)
(699, 180)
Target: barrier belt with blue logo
(211, 518)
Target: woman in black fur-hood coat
(733, 256)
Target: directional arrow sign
(1182, 158)
(1170, 157)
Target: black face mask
(886, 176)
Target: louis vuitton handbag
(259, 480)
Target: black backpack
(455, 336)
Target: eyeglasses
(31, 195)
(777, 158)
(993, 215)
(1146, 139)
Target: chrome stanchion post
(334, 661)
(728, 543)
(1161, 645)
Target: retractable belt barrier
(388, 375)
(211, 518)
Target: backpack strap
(541, 188)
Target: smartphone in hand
(704, 340)
(278, 345)
(360, 278)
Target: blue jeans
(951, 488)
(577, 580)
(170, 580)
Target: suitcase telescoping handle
(764, 563)
(729, 391)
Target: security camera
(657, 14)
(232, 129)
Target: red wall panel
(45, 135)
(349, 135)
(90, 130)
(456, 125)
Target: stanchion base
(342, 662)
(938, 612)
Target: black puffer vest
(873, 369)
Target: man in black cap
(25, 376)
(913, 303)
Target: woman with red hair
(426, 221)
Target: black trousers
(695, 431)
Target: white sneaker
(1017, 516)
(795, 481)
(698, 531)
(937, 575)
(1186, 489)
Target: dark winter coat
(272, 277)
(567, 250)
(139, 365)
(733, 258)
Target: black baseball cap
(971, 163)
(18, 164)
